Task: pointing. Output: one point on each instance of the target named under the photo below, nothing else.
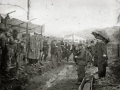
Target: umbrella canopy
(101, 33)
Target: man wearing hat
(2, 29)
(101, 52)
(80, 57)
(4, 38)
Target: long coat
(81, 59)
(7, 45)
(81, 62)
(88, 56)
(101, 49)
(34, 49)
(59, 52)
(53, 49)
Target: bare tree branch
(13, 5)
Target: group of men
(59, 50)
(83, 54)
(10, 50)
(94, 53)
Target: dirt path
(68, 80)
(61, 78)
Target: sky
(62, 17)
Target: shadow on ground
(116, 70)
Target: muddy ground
(112, 79)
(65, 77)
(62, 78)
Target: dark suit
(101, 50)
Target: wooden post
(118, 50)
(41, 45)
(27, 28)
(73, 38)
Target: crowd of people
(11, 49)
(94, 53)
(14, 51)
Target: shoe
(78, 83)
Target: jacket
(81, 57)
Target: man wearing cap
(80, 57)
(101, 52)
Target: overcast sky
(66, 16)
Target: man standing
(92, 48)
(59, 53)
(101, 52)
(74, 52)
(45, 49)
(67, 50)
(81, 62)
(6, 52)
(53, 52)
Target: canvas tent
(21, 26)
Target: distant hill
(112, 32)
(86, 33)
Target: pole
(27, 36)
(118, 51)
(73, 37)
(40, 60)
(42, 39)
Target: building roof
(21, 26)
(68, 36)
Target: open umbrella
(101, 33)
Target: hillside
(112, 32)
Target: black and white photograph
(59, 44)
